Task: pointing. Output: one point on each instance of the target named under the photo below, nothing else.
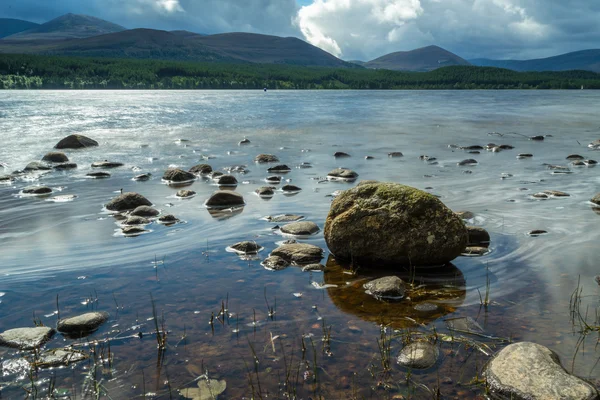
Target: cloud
(366, 29)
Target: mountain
(10, 26)
(68, 26)
(183, 45)
(587, 60)
(423, 59)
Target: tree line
(18, 71)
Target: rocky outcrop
(177, 175)
(526, 371)
(225, 199)
(76, 142)
(55, 157)
(391, 224)
(127, 201)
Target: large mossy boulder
(127, 201)
(76, 142)
(526, 371)
(388, 224)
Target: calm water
(73, 249)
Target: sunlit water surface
(73, 250)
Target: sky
(359, 29)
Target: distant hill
(9, 26)
(423, 59)
(68, 26)
(183, 46)
(587, 60)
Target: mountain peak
(422, 59)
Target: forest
(18, 71)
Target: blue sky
(359, 29)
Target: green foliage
(52, 72)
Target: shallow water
(72, 248)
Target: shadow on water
(431, 293)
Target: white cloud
(169, 5)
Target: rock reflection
(224, 213)
(436, 291)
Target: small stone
(227, 180)
(273, 179)
(299, 253)
(55, 157)
(464, 324)
(478, 236)
(290, 188)
(540, 195)
(506, 147)
(98, 175)
(201, 169)
(342, 174)
(590, 163)
(142, 177)
(37, 190)
(536, 138)
(469, 161)
(145, 211)
(183, 193)
(386, 287)
(208, 389)
(136, 220)
(177, 175)
(313, 267)
(275, 263)
(556, 193)
(133, 230)
(575, 157)
(369, 158)
(279, 169)
(244, 141)
(246, 247)
(37, 166)
(537, 232)
(266, 158)
(168, 219)
(26, 338)
(64, 166)
(475, 147)
(340, 154)
(225, 199)
(395, 154)
(524, 155)
(106, 164)
(300, 228)
(419, 355)
(265, 191)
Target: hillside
(9, 26)
(183, 46)
(423, 59)
(68, 26)
(587, 60)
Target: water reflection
(223, 214)
(434, 292)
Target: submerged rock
(276, 180)
(26, 338)
(60, 357)
(343, 174)
(201, 169)
(98, 175)
(275, 263)
(107, 164)
(340, 154)
(556, 193)
(265, 191)
(284, 218)
(183, 193)
(266, 158)
(225, 199)
(526, 371)
(475, 147)
(208, 389)
(75, 142)
(393, 224)
(37, 190)
(464, 324)
(244, 141)
(55, 157)
(300, 228)
(299, 253)
(177, 175)
(82, 325)
(419, 355)
(537, 232)
(246, 247)
(134, 230)
(127, 201)
(387, 287)
(145, 211)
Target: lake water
(72, 252)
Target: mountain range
(82, 35)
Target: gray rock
(476, 147)
(37, 166)
(136, 220)
(478, 236)
(201, 169)
(6, 178)
(284, 218)
(537, 232)
(145, 211)
(529, 371)
(37, 190)
(556, 193)
(60, 357)
(524, 155)
(394, 154)
(540, 195)
(266, 158)
(590, 162)
(386, 287)
(538, 138)
(142, 177)
(64, 166)
(300, 228)
(127, 201)
(299, 253)
(342, 173)
(82, 325)
(134, 230)
(275, 263)
(340, 154)
(596, 199)
(107, 164)
(225, 199)
(55, 157)
(468, 161)
(506, 147)
(273, 179)
(246, 247)
(392, 224)
(168, 219)
(266, 191)
(465, 214)
(419, 355)
(313, 267)
(227, 180)
(98, 175)
(177, 175)
(75, 142)
(185, 193)
(575, 157)
(26, 338)
(279, 168)
(291, 188)
(244, 141)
